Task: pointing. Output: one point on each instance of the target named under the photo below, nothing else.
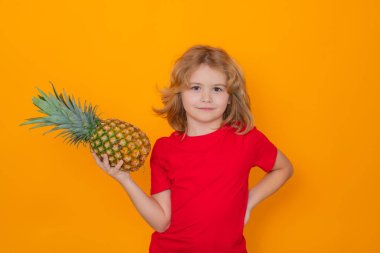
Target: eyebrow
(217, 84)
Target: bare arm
(272, 181)
(154, 209)
(149, 207)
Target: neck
(196, 128)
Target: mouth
(205, 108)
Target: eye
(218, 89)
(195, 87)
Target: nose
(205, 96)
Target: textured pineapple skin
(121, 141)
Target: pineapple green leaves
(65, 113)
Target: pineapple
(118, 139)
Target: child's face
(206, 99)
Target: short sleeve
(159, 174)
(264, 152)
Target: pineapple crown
(77, 124)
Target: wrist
(124, 180)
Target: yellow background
(312, 70)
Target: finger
(97, 160)
(95, 156)
(105, 161)
(119, 164)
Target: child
(199, 174)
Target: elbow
(164, 227)
(290, 171)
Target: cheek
(223, 100)
(190, 97)
(186, 100)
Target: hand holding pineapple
(114, 172)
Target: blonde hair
(238, 112)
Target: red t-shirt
(208, 178)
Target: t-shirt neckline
(205, 135)
(199, 139)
